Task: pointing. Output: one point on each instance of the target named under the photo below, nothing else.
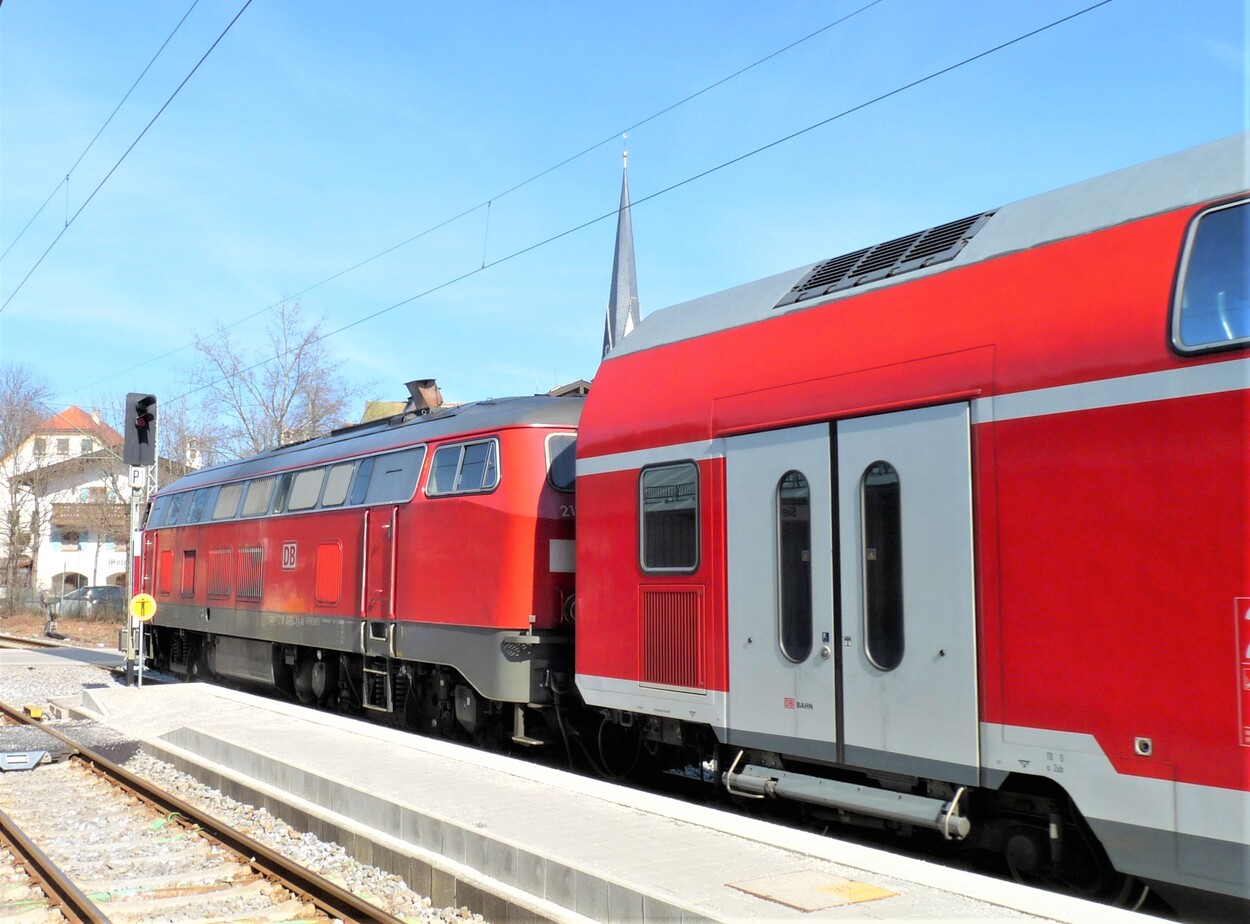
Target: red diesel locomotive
(320, 570)
(946, 534)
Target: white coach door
(780, 534)
(908, 623)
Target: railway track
(81, 839)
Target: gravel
(39, 686)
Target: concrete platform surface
(517, 841)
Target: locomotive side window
(669, 505)
(338, 480)
(562, 460)
(794, 561)
(360, 485)
(305, 489)
(228, 501)
(883, 565)
(281, 492)
(256, 501)
(1213, 302)
(465, 468)
(395, 476)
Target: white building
(64, 503)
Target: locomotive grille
(251, 574)
(672, 636)
(881, 261)
(220, 572)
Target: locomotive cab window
(794, 566)
(466, 468)
(669, 513)
(562, 460)
(394, 476)
(199, 500)
(1212, 309)
(156, 514)
(883, 565)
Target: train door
(779, 524)
(378, 581)
(908, 620)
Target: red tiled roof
(76, 420)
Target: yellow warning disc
(142, 607)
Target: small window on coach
(881, 502)
(669, 514)
(794, 566)
(1212, 309)
(562, 460)
(465, 468)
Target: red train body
(443, 539)
(948, 533)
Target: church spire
(622, 314)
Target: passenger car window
(1213, 299)
(883, 565)
(669, 506)
(794, 566)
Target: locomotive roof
(408, 429)
(1198, 174)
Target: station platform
(514, 841)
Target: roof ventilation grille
(892, 258)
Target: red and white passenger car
(952, 531)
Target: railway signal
(140, 448)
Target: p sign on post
(142, 608)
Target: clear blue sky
(318, 134)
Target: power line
(698, 176)
(70, 221)
(65, 181)
(486, 203)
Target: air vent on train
(882, 261)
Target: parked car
(100, 600)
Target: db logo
(289, 556)
(789, 702)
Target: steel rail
(66, 897)
(330, 898)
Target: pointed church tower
(623, 299)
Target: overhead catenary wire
(91, 143)
(125, 154)
(486, 203)
(667, 189)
